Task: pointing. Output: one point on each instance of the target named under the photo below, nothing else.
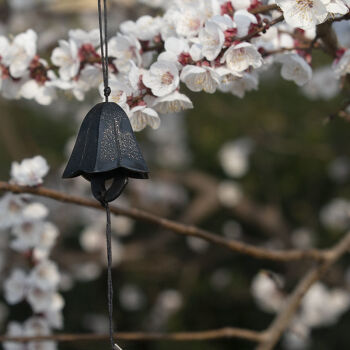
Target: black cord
(104, 45)
(110, 282)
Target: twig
(264, 9)
(179, 228)
(139, 336)
(283, 319)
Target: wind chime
(106, 149)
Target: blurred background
(271, 169)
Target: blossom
(323, 307)
(145, 28)
(45, 275)
(44, 300)
(189, 22)
(43, 93)
(323, 84)
(295, 68)
(239, 86)
(243, 20)
(234, 157)
(65, 56)
(15, 286)
(229, 193)
(81, 37)
(266, 291)
(11, 207)
(336, 214)
(29, 172)
(336, 6)
(162, 78)
(125, 48)
(304, 14)
(141, 116)
(174, 102)
(200, 78)
(21, 53)
(240, 57)
(212, 38)
(342, 66)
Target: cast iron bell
(106, 148)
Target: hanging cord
(104, 45)
(109, 283)
(114, 346)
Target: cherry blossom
(240, 57)
(21, 52)
(29, 172)
(303, 13)
(66, 57)
(141, 116)
(162, 78)
(342, 65)
(174, 102)
(295, 68)
(15, 286)
(212, 38)
(200, 78)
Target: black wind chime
(106, 149)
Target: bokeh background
(271, 169)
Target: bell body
(106, 148)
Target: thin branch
(264, 9)
(283, 319)
(139, 336)
(179, 228)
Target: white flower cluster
(33, 238)
(208, 45)
(320, 307)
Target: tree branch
(179, 228)
(283, 319)
(139, 336)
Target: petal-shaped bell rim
(129, 172)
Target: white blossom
(141, 116)
(342, 66)
(172, 103)
(15, 286)
(81, 37)
(45, 275)
(211, 38)
(336, 6)
(266, 291)
(304, 14)
(234, 157)
(295, 68)
(243, 20)
(200, 78)
(29, 172)
(229, 193)
(323, 84)
(21, 53)
(65, 56)
(162, 78)
(336, 214)
(189, 22)
(43, 93)
(242, 56)
(125, 48)
(322, 306)
(145, 28)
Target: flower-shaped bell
(106, 148)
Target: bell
(105, 149)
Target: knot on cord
(107, 91)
